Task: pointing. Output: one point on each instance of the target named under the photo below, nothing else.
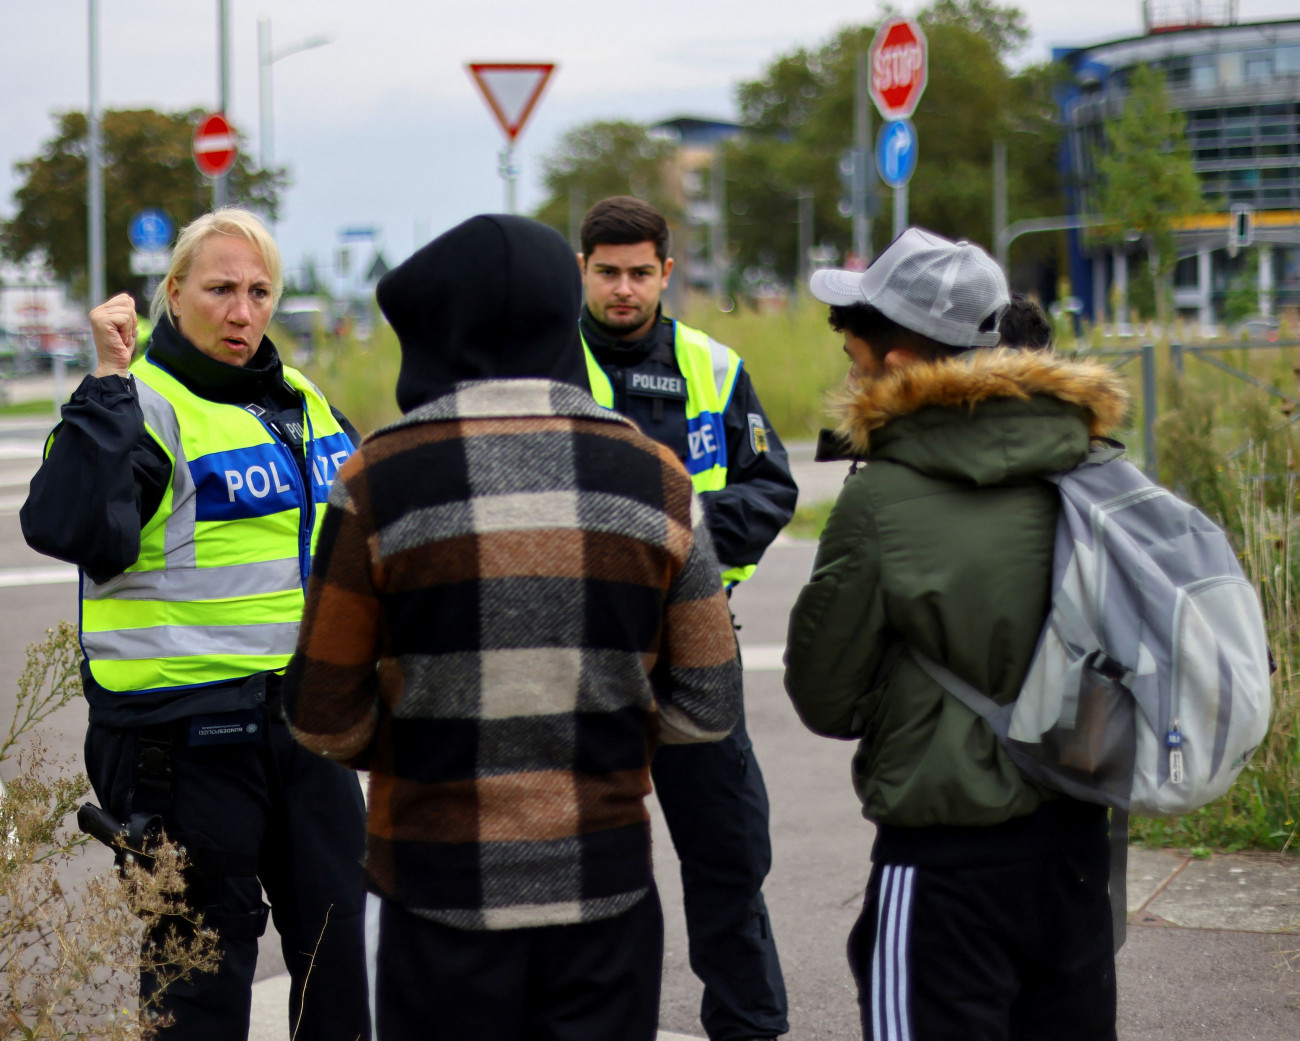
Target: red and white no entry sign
(899, 67)
(215, 147)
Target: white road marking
(763, 657)
(37, 576)
(21, 449)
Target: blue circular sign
(896, 150)
(150, 230)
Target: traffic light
(1241, 228)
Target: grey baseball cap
(941, 289)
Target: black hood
(496, 297)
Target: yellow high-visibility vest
(217, 591)
(710, 369)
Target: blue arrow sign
(896, 151)
(150, 230)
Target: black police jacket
(104, 477)
(759, 499)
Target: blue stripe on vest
(328, 454)
(706, 443)
(245, 482)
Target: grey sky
(383, 126)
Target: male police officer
(692, 394)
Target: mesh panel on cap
(940, 289)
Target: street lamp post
(221, 183)
(94, 168)
(266, 57)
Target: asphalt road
(1176, 984)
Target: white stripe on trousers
(890, 997)
(373, 905)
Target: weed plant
(71, 949)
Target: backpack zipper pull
(1174, 742)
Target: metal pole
(805, 236)
(900, 210)
(94, 170)
(1000, 202)
(60, 381)
(508, 172)
(220, 186)
(264, 115)
(862, 144)
(1149, 410)
(577, 210)
(718, 228)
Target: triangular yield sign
(511, 90)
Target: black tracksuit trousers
(989, 934)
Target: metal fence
(1178, 355)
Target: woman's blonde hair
(229, 220)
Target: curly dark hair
(882, 334)
(1025, 324)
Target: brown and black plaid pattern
(513, 593)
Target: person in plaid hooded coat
(515, 598)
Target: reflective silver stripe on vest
(721, 366)
(180, 641)
(178, 539)
(185, 585)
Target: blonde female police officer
(187, 487)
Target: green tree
(1147, 180)
(800, 117)
(599, 159)
(147, 162)
(1004, 27)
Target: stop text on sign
(898, 66)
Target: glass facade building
(1239, 88)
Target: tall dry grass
(792, 356)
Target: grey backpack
(1149, 688)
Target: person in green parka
(986, 912)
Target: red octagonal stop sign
(899, 67)
(214, 146)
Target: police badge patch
(757, 433)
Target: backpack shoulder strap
(1103, 450)
(981, 704)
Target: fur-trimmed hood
(968, 380)
(986, 414)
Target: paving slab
(1255, 893)
(1149, 870)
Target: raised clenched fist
(113, 328)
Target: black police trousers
(265, 815)
(716, 808)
